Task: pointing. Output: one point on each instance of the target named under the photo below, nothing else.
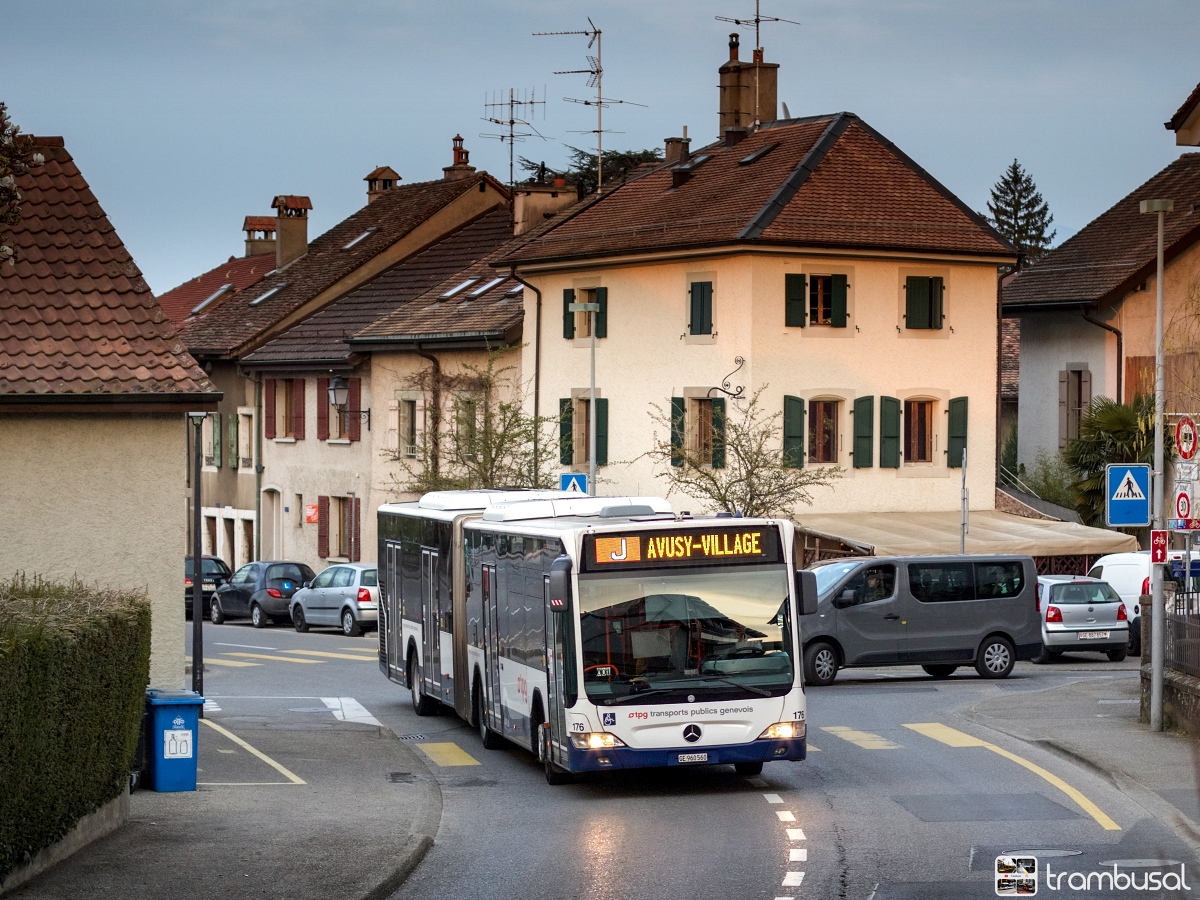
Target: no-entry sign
(1185, 437)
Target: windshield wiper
(737, 684)
(629, 698)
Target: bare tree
(17, 157)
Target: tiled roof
(240, 272)
(77, 320)
(820, 182)
(322, 336)
(259, 223)
(1010, 358)
(1184, 111)
(1117, 251)
(396, 212)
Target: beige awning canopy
(931, 533)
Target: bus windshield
(686, 634)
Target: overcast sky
(186, 116)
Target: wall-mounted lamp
(339, 396)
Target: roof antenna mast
(595, 71)
(757, 21)
(515, 113)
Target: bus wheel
(554, 775)
(422, 705)
(748, 768)
(939, 670)
(487, 737)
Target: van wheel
(995, 658)
(422, 705)
(820, 663)
(1118, 654)
(939, 671)
(487, 737)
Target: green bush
(74, 663)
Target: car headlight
(783, 731)
(596, 740)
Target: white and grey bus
(600, 633)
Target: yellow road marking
(955, 738)
(448, 754)
(863, 739)
(275, 658)
(282, 770)
(332, 655)
(233, 663)
(373, 649)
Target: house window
(336, 418)
(700, 318)
(406, 428)
(918, 431)
(206, 440)
(299, 510)
(285, 410)
(1074, 399)
(245, 437)
(573, 433)
(820, 299)
(466, 424)
(702, 432)
(340, 527)
(579, 324)
(823, 431)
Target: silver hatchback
(346, 595)
(1081, 614)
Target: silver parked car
(346, 595)
(1081, 614)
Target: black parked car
(260, 590)
(214, 573)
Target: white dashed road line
(795, 834)
(792, 878)
(785, 816)
(772, 798)
(798, 855)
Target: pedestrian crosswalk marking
(448, 754)
(863, 739)
(326, 653)
(277, 658)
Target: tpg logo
(639, 715)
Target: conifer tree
(1020, 214)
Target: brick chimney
(260, 234)
(534, 202)
(461, 168)
(748, 90)
(677, 149)
(381, 179)
(291, 228)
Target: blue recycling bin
(174, 723)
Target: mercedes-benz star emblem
(691, 733)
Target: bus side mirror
(806, 591)
(560, 585)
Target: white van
(1129, 575)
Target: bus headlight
(596, 740)
(783, 731)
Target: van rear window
(949, 582)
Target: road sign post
(1127, 495)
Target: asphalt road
(901, 797)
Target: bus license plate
(1093, 635)
(693, 757)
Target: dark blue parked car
(261, 591)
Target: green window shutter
(916, 302)
(216, 427)
(957, 441)
(837, 317)
(793, 432)
(701, 321)
(568, 316)
(601, 430)
(795, 290)
(678, 409)
(234, 459)
(602, 315)
(937, 288)
(889, 433)
(566, 426)
(864, 432)
(718, 441)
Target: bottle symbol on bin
(172, 746)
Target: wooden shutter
(837, 310)
(718, 433)
(601, 430)
(916, 302)
(795, 291)
(568, 316)
(234, 450)
(353, 408)
(323, 527)
(566, 431)
(602, 315)
(1064, 381)
(322, 409)
(701, 308)
(269, 409)
(889, 433)
(298, 408)
(216, 434)
(1085, 392)
(355, 529)
(793, 432)
(864, 432)
(957, 440)
(937, 289)
(678, 429)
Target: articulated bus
(600, 633)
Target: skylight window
(758, 154)
(268, 295)
(514, 290)
(358, 240)
(483, 289)
(214, 296)
(459, 289)
(694, 163)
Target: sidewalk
(359, 824)
(1094, 722)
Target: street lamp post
(1158, 619)
(197, 561)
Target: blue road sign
(573, 481)
(1127, 495)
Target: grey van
(940, 612)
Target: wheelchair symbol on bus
(609, 719)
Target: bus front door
(431, 644)
(555, 653)
(491, 649)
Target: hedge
(74, 664)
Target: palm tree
(1110, 432)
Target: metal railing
(1182, 637)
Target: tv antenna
(595, 73)
(757, 21)
(515, 113)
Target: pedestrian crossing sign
(574, 482)
(1127, 495)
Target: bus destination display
(693, 547)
